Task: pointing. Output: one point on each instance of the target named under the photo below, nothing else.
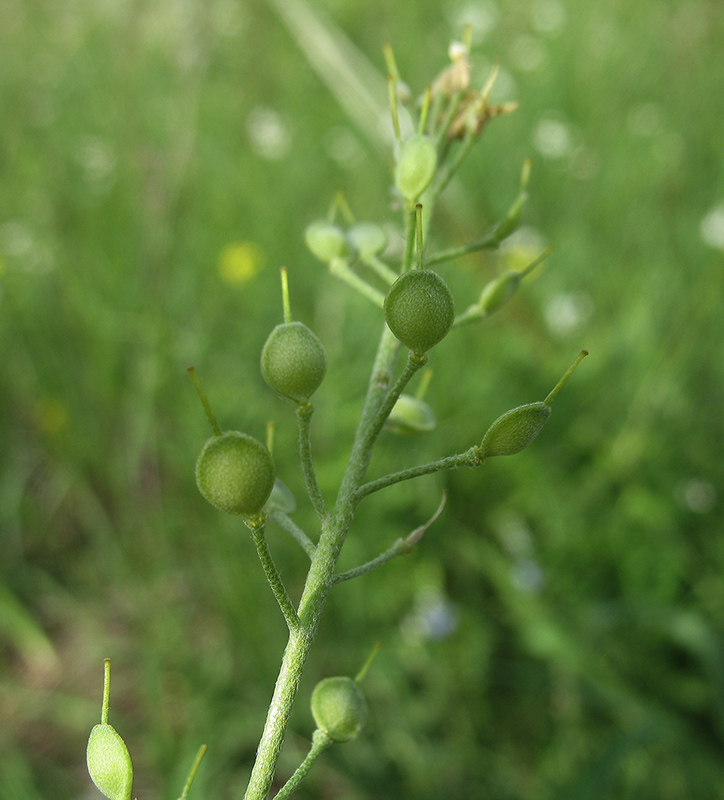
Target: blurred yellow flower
(51, 416)
(239, 262)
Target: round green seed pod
(410, 415)
(326, 241)
(367, 238)
(235, 473)
(293, 361)
(109, 762)
(515, 430)
(416, 165)
(419, 309)
(339, 708)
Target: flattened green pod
(109, 762)
(416, 165)
(515, 430)
(326, 241)
(339, 708)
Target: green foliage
(563, 638)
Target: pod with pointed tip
(367, 238)
(515, 430)
(416, 165)
(410, 415)
(326, 240)
(339, 708)
(293, 361)
(235, 473)
(419, 309)
(109, 762)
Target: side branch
(304, 414)
(470, 458)
(274, 578)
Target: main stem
(320, 577)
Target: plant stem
(469, 458)
(304, 414)
(273, 576)
(285, 521)
(488, 242)
(320, 577)
(320, 742)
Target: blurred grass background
(559, 632)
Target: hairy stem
(304, 414)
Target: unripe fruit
(367, 238)
(411, 415)
(515, 430)
(339, 708)
(416, 165)
(293, 361)
(419, 309)
(109, 763)
(326, 241)
(235, 473)
(498, 291)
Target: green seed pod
(293, 361)
(235, 473)
(109, 763)
(339, 708)
(416, 165)
(515, 430)
(499, 291)
(282, 498)
(410, 415)
(419, 309)
(326, 241)
(367, 238)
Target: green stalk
(304, 414)
(320, 742)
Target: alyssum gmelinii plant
(235, 472)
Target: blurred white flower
(270, 135)
(712, 227)
(482, 16)
(528, 53)
(552, 138)
(548, 16)
(696, 494)
(567, 313)
(344, 147)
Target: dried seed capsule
(326, 241)
(339, 708)
(293, 361)
(109, 762)
(416, 165)
(235, 473)
(419, 309)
